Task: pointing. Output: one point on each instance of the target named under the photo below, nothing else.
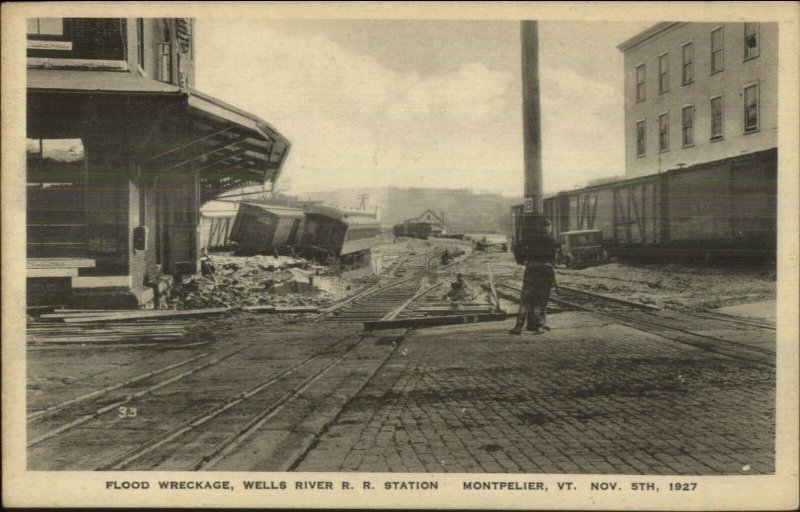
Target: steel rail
(139, 394)
(104, 391)
(200, 419)
(658, 328)
(224, 447)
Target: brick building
(122, 151)
(699, 92)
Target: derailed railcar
(726, 208)
(266, 228)
(340, 237)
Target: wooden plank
(296, 309)
(105, 339)
(413, 323)
(494, 290)
(133, 315)
(260, 309)
(54, 263)
(456, 309)
(395, 312)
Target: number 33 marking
(127, 412)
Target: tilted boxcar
(339, 236)
(266, 228)
(725, 208)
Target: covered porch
(117, 170)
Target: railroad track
(673, 325)
(205, 437)
(408, 295)
(219, 428)
(212, 428)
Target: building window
(46, 26)
(641, 146)
(716, 118)
(140, 42)
(717, 53)
(663, 132)
(687, 124)
(750, 41)
(640, 83)
(165, 62)
(663, 73)
(751, 108)
(687, 71)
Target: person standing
(537, 282)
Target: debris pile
(239, 281)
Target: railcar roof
(278, 211)
(581, 232)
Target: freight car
(340, 237)
(420, 230)
(721, 209)
(262, 228)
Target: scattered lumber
(415, 323)
(281, 309)
(133, 315)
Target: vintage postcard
(400, 255)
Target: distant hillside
(464, 210)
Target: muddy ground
(283, 281)
(666, 285)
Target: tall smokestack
(531, 119)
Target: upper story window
(641, 143)
(640, 83)
(716, 118)
(750, 41)
(751, 108)
(687, 68)
(687, 125)
(717, 51)
(46, 26)
(663, 132)
(663, 73)
(76, 40)
(140, 42)
(183, 33)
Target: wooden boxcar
(266, 228)
(340, 236)
(721, 208)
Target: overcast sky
(422, 103)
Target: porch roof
(169, 129)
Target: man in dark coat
(537, 282)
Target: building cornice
(645, 35)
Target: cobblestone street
(587, 397)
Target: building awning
(165, 128)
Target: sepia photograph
(444, 259)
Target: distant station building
(437, 223)
(428, 223)
(699, 92)
(122, 152)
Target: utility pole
(363, 205)
(531, 116)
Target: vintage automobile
(581, 248)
